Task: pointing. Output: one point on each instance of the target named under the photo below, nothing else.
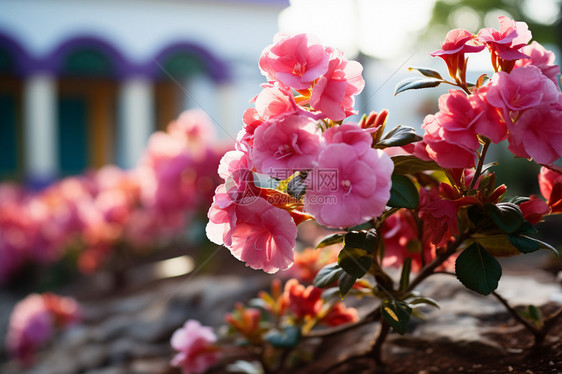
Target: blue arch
(217, 69)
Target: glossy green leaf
(478, 270)
(416, 84)
(362, 240)
(398, 136)
(328, 275)
(396, 314)
(424, 300)
(524, 244)
(331, 240)
(427, 72)
(403, 193)
(345, 284)
(507, 216)
(408, 164)
(355, 261)
(288, 337)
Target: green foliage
(403, 193)
(416, 84)
(506, 216)
(328, 275)
(345, 284)
(396, 314)
(330, 240)
(398, 136)
(287, 337)
(409, 164)
(478, 270)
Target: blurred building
(84, 83)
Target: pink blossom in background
(351, 134)
(196, 348)
(255, 231)
(523, 88)
(303, 301)
(34, 321)
(339, 314)
(401, 239)
(286, 143)
(541, 58)
(550, 184)
(333, 94)
(294, 60)
(195, 128)
(537, 134)
(346, 188)
(507, 42)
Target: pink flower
(303, 302)
(339, 314)
(489, 123)
(194, 127)
(506, 42)
(439, 216)
(351, 134)
(294, 60)
(522, 89)
(255, 231)
(31, 327)
(275, 100)
(457, 42)
(195, 344)
(534, 209)
(550, 183)
(232, 161)
(450, 135)
(537, 133)
(401, 240)
(332, 94)
(347, 188)
(288, 143)
(541, 58)
(34, 320)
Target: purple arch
(54, 62)
(23, 62)
(217, 69)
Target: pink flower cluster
(291, 130)
(100, 210)
(35, 320)
(520, 103)
(195, 346)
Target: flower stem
(480, 163)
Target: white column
(227, 116)
(40, 129)
(136, 120)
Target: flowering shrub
(98, 212)
(419, 203)
(35, 320)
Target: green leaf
(297, 185)
(478, 270)
(408, 164)
(535, 313)
(403, 193)
(523, 243)
(345, 283)
(415, 84)
(424, 300)
(507, 216)
(405, 275)
(288, 337)
(396, 314)
(355, 261)
(328, 275)
(331, 240)
(526, 243)
(398, 136)
(362, 240)
(427, 72)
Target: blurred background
(92, 177)
(84, 83)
